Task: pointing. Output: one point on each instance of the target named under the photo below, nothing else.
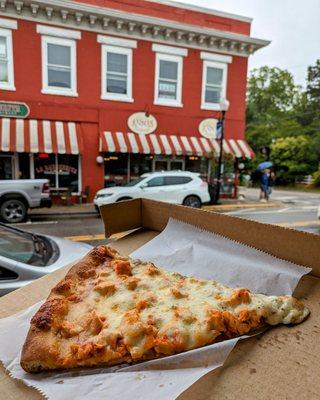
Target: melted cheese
(133, 309)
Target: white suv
(178, 187)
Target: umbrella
(264, 165)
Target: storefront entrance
(168, 164)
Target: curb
(64, 214)
(225, 207)
(222, 207)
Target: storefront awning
(39, 136)
(171, 145)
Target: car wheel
(13, 210)
(124, 199)
(192, 201)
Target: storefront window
(24, 165)
(61, 170)
(45, 167)
(140, 164)
(68, 174)
(115, 169)
(197, 164)
(6, 166)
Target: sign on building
(12, 109)
(142, 123)
(208, 128)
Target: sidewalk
(60, 211)
(88, 210)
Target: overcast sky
(293, 26)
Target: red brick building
(85, 68)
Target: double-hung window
(116, 62)
(168, 75)
(6, 54)
(59, 66)
(214, 80)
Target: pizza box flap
(299, 247)
(283, 363)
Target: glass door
(162, 163)
(6, 167)
(176, 165)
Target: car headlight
(99, 196)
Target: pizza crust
(110, 309)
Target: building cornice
(82, 16)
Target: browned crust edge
(37, 352)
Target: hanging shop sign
(142, 123)
(13, 109)
(208, 128)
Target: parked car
(26, 256)
(17, 196)
(178, 187)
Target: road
(298, 211)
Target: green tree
(277, 109)
(294, 158)
(271, 100)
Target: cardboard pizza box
(283, 363)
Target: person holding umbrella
(264, 179)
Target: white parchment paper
(190, 251)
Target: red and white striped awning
(39, 136)
(171, 145)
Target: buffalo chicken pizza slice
(110, 309)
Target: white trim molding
(55, 90)
(177, 51)
(58, 32)
(219, 65)
(127, 97)
(8, 23)
(115, 41)
(215, 57)
(161, 101)
(88, 17)
(8, 59)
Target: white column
(57, 172)
(79, 175)
(31, 165)
(16, 166)
(128, 167)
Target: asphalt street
(298, 211)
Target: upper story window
(116, 63)
(59, 61)
(168, 75)
(214, 80)
(6, 54)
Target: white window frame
(214, 61)
(168, 102)
(105, 48)
(46, 89)
(9, 85)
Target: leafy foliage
(293, 156)
(287, 119)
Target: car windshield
(24, 247)
(134, 182)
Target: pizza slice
(110, 309)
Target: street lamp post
(224, 105)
